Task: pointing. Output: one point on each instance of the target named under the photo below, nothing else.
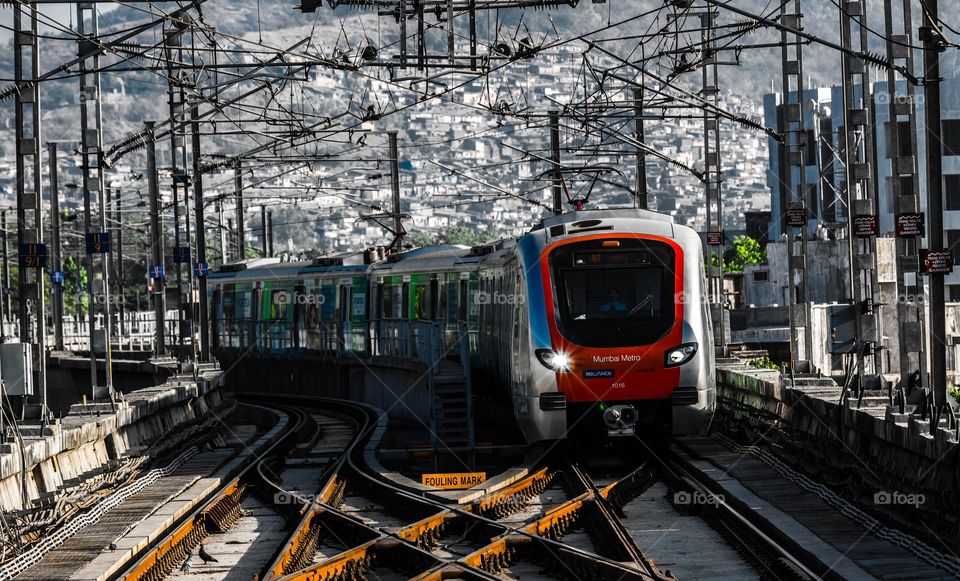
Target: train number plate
(621, 432)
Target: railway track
(318, 506)
(517, 530)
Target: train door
(254, 325)
(299, 327)
(377, 302)
(343, 312)
(464, 298)
(217, 312)
(358, 314)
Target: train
(596, 322)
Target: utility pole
(29, 188)
(263, 230)
(641, 195)
(7, 295)
(201, 236)
(192, 316)
(859, 191)
(230, 227)
(56, 265)
(555, 161)
(4, 308)
(223, 234)
(156, 243)
(173, 41)
(713, 174)
(398, 231)
(108, 193)
(238, 189)
(270, 233)
(901, 111)
(92, 148)
(118, 223)
(932, 45)
(178, 256)
(796, 190)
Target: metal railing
(139, 331)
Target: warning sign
(797, 217)
(453, 481)
(936, 262)
(910, 225)
(865, 226)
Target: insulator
(877, 60)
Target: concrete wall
(398, 386)
(895, 452)
(82, 443)
(68, 379)
(827, 272)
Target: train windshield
(614, 293)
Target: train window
(381, 301)
(464, 299)
(453, 304)
(437, 288)
(279, 299)
(614, 299)
(343, 305)
(396, 300)
(328, 302)
(243, 307)
(422, 301)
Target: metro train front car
(620, 329)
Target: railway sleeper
(336, 496)
(306, 549)
(505, 505)
(431, 537)
(225, 512)
(621, 494)
(175, 555)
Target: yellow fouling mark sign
(453, 481)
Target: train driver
(613, 305)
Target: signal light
(610, 244)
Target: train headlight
(680, 354)
(554, 360)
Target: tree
(451, 235)
(745, 251)
(74, 284)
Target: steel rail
(771, 549)
(220, 509)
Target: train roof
(425, 259)
(610, 220)
(275, 268)
(441, 258)
(456, 257)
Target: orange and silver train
(596, 321)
